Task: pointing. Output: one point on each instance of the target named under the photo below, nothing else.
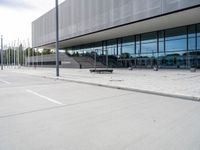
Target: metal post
(37, 56)
(106, 58)
(33, 57)
(31, 53)
(24, 56)
(1, 52)
(28, 59)
(42, 59)
(95, 59)
(18, 54)
(9, 55)
(57, 40)
(14, 56)
(28, 56)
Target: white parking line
(3, 81)
(44, 97)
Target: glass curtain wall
(171, 48)
(190, 55)
(112, 48)
(176, 47)
(149, 50)
(198, 45)
(127, 46)
(161, 48)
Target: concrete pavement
(174, 83)
(41, 114)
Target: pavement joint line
(3, 81)
(27, 86)
(44, 97)
(61, 106)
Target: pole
(57, 40)
(1, 52)
(23, 49)
(12, 53)
(33, 59)
(95, 59)
(37, 56)
(42, 59)
(18, 54)
(28, 53)
(9, 55)
(14, 56)
(106, 58)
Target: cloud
(17, 16)
(17, 4)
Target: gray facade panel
(79, 17)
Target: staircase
(87, 62)
(65, 60)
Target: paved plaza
(47, 114)
(181, 83)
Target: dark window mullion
(157, 37)
(196, 38)
(140, 50)
(187, 56)
(164, 42)
(135, 44)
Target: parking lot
(47, 114)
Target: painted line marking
(6, 82)
(44, 97)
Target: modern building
(124, 33)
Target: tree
(47, 51)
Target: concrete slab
(93, 117)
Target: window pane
(191, 38)
(128, 46)
(149, 44)
(198, 36)
(98, 48)
(137, 44)
(112, 47)
(161, 42)
(176, 39)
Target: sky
(16, 17)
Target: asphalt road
(46, 114)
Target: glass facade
(171, 48)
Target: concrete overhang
(181, 18)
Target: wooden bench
(101, 70)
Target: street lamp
(1, 52)
(57, 40)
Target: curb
(192, 98)
(184, 97)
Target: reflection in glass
(128, 46)
(138, 45)
(198, 36)
(148, 44)
(191, 38)
(176, 39)
(177, 48)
